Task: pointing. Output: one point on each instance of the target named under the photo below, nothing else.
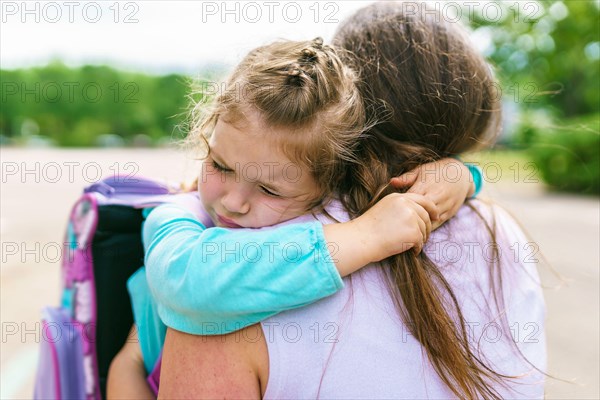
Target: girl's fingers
(418, 188)
(436, 224)
(447, 206)
(405, 180)
(425, 227)
(448, 210)
(418, 247)
(429, 206)
(424, 221)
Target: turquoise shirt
(477, 176)
(216, 281)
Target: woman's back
(354, 345)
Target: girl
(420, 326)
(290, 106)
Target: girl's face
(247, 181)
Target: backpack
(103, 249)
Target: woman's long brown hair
(434, 97)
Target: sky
(157, 36)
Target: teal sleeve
(216, 281)
(477, 176)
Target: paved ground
(39, 186)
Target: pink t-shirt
(354, 345)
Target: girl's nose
(236, 202)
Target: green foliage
(74, 106)
(529, 126)
(568, 158)
(547, 53)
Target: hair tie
(318, 43)
(309, 55)
(295, 73)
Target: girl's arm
(126, 375)
(215, 281)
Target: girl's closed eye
(262, 188)
(268, 192)
(220, 168)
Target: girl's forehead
(254, 122)
(245, 133)
(244, 117)
(248, 124)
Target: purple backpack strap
(60, 372)
(142, 193)
(134, 192)
(79, 291)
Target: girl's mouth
(226, 222)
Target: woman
(463, 320)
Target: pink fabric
(154, 378)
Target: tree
(547, 53)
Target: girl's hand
(446, 182)
(397, 223)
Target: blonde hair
(304, 88)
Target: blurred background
(93, 89)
